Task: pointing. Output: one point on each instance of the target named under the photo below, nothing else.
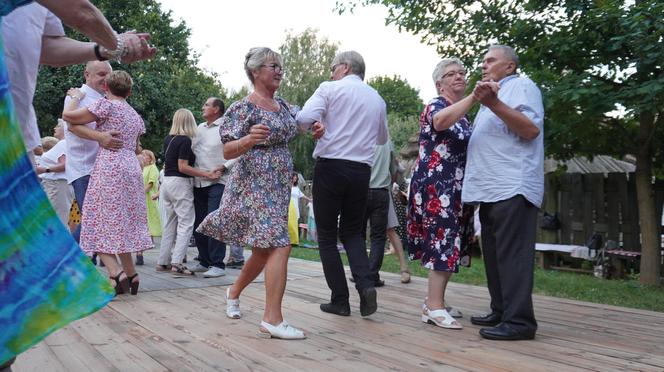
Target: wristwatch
(48, 170)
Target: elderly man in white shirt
(209, 151)
(356, 121)
(505, 176)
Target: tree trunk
(650, 239)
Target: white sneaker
(214, 272)
(199, 268)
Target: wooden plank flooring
(179, 324)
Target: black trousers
(508, 246)
(340, 197)
(211, 252)
(378, 204)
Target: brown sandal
(121, 286)
(133, 283)
(181, 271)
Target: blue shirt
(501, 164)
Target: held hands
(213, 175)
(317, 130)
(486, 92)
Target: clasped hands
(486, 92)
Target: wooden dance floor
(179, 324)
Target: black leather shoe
(338, 309)
(488, 320)
(503, 332)
(368, 303)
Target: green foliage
(169, 81)
(402, 128)
(307, 61)
(400, 97)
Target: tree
(598, 64)
(169, 81)
(400, 97)
(307, 61)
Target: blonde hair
(48, 143)
(184, 123)
(149, 156)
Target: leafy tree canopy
(400, 97)
(169, 81)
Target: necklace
(266, 103)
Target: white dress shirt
(50, 159)
(81, 153)
(354, 116)
(209, 151)
(501, 164)
(22, 32)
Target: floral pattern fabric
(114, 216)
(254, 207)
(438, 226)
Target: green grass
(627, 293)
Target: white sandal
(232, 306)
(283, 331)
(454, 312)
(432, 316)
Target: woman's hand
(76, 94)
(258, 134)
(213, 175)
(317, 130)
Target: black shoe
(488, 320)
(232, 264)
(368, 304)
(504, 332)
(338, 309)
(139, 260)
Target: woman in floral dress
(254, 207)
(114, 220)
(437, 224)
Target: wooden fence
(595, 203)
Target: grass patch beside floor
(627, 293)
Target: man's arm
(515, 120)
(314, 109)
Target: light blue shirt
(501, 164)
(355, 119)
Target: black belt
(349, 162)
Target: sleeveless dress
(254, 207)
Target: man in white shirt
(82, 145)
(505, 176)
(355, 121)
(33, 35)
(209, 151)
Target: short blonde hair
(47, 143)
(149, 156)
(184, 123)
(119, 83)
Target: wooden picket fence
(595, 203)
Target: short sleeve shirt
(176, 148)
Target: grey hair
(440, 67)
(353, 59)
(256, 58)
(508, 52)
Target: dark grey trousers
(508, 246)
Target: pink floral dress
(438, 224)
(114, 216)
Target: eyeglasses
(334, 67)
(461, 73)
(274, 67)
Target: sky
(223, 31)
